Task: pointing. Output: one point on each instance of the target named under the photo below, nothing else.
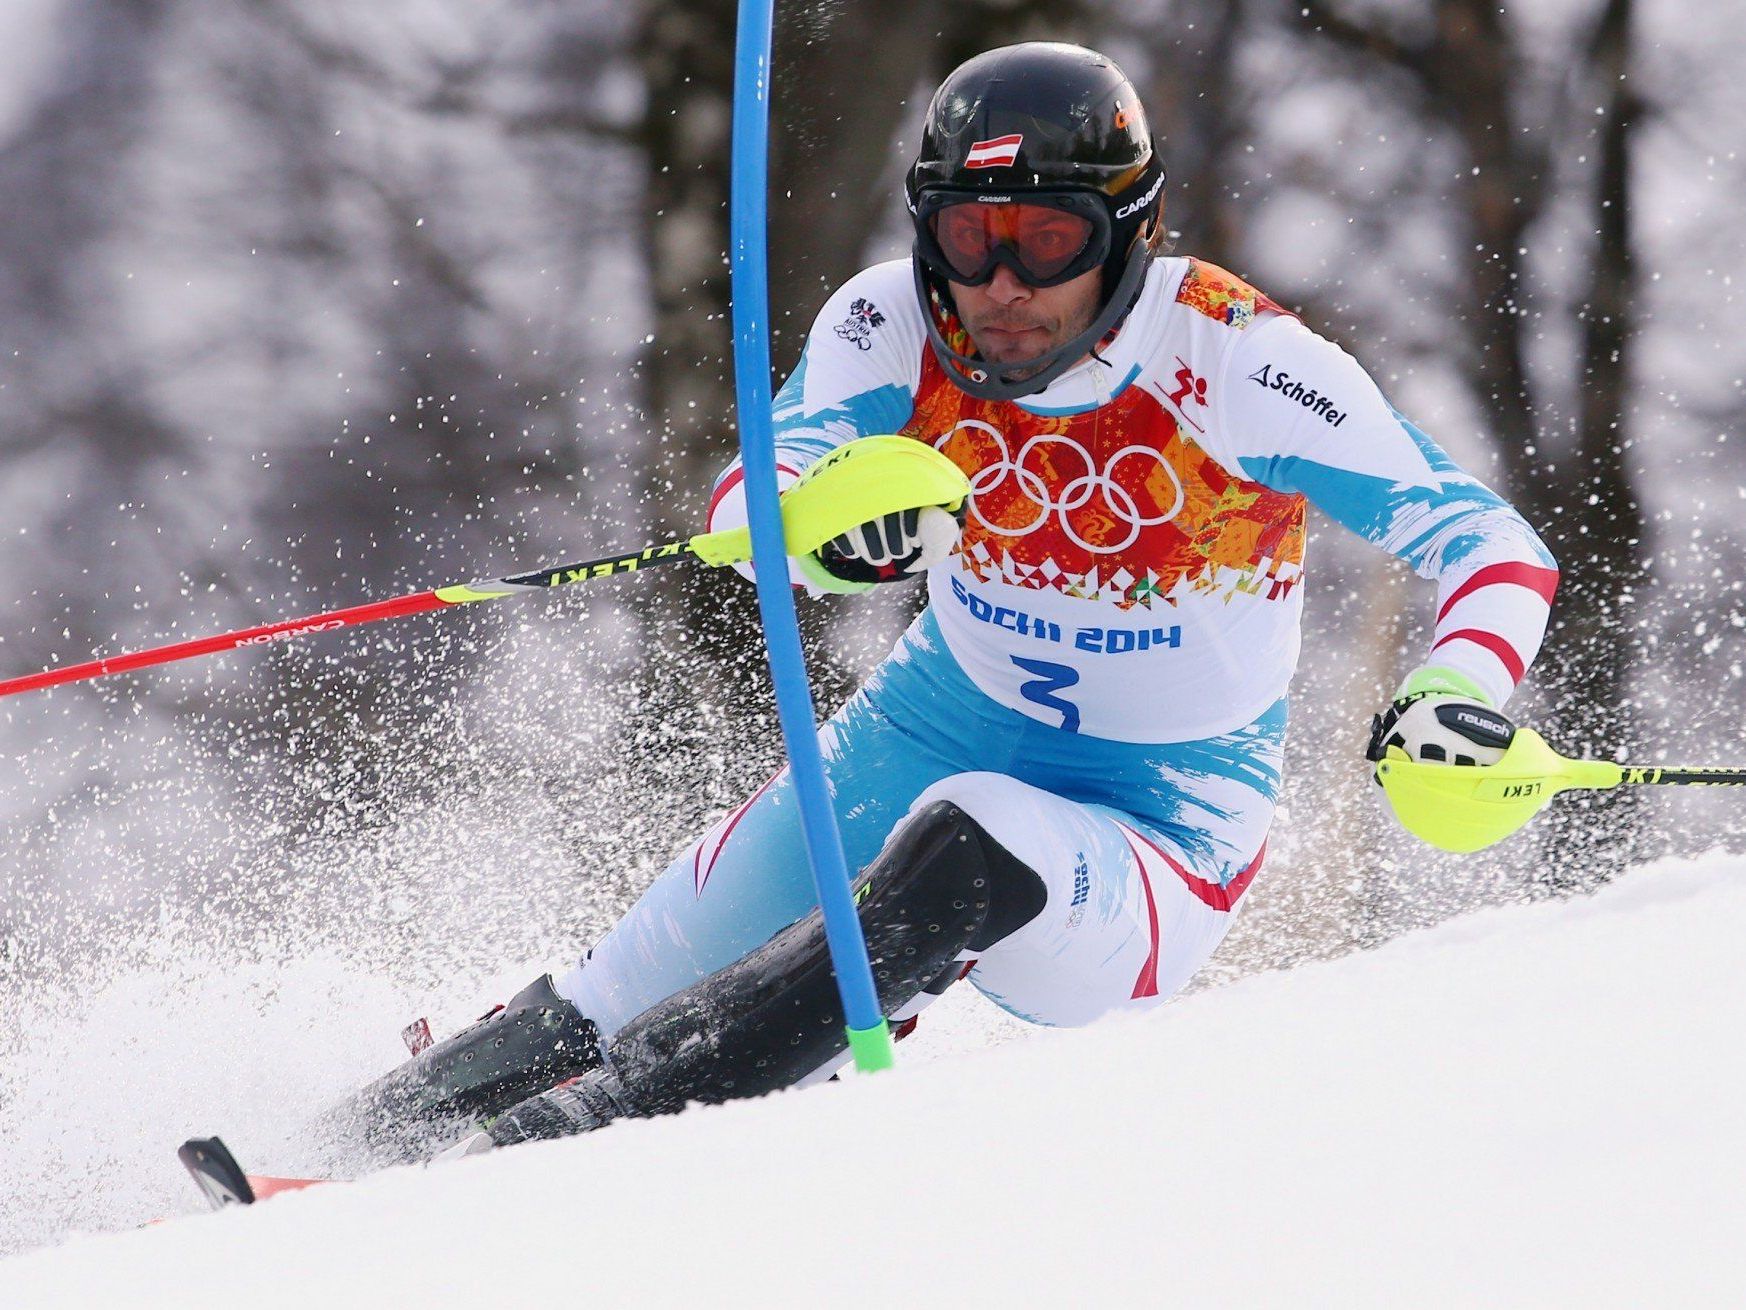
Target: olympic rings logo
(1075, 494)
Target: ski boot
(516, 1051)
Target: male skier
(1058, 787)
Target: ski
(216, 1172)
(221, 1179)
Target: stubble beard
(1005, 353)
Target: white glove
(1439, 717)
(889, 549)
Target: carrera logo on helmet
(1001, 152)
(1142, 202)
(1121, 119)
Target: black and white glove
(889, 549)
(1439, 717)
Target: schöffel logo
(1277, 379)
(1000, 152)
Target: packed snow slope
(1537, 1105)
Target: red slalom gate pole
(417, 603)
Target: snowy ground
(1531, 1106)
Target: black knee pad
(941, 886)
(941, 873)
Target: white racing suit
(1099, 678)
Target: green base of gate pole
(871, 1047)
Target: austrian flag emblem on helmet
(1001, 152)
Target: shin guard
(941, 886)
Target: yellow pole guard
(1467, 807)
(857, 482)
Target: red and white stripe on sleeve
(727, 509)
(727, 504)
(1490, 623)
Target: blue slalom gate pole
(869, 1035)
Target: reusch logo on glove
(1477, 724)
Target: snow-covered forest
(306, 303)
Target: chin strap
(988, 381)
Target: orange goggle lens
(1045, 240)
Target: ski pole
(1657, 775)
(417, 603)
(1467, 807)
(859, 481)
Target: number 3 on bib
(1050, 679)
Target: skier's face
(1011, 321)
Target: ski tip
(210, 1163)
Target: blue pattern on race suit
(1419, 524)
(916, 721)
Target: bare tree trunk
(843, 93)
(687, 65)
(64, 172)
(706, 620)
(1467, 72)
(1585, 504)
(1598, 528)
(1196, 105)
(1472, 74)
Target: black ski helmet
(1058, 122)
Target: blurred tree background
(303, 303)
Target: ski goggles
(1046, 238)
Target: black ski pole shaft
(1693, 777)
